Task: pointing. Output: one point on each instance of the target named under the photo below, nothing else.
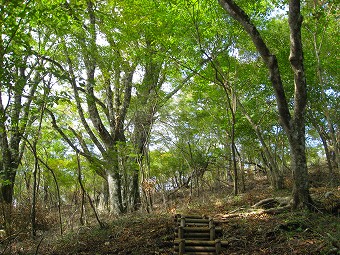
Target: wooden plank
(196, 242)
(196, 235)
(196, 253)
(191, 216)
(189, 224)
(195, 220)
(198, 229)
(195, 249)
(218, 246)
(201, 242)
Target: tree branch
(269, 59)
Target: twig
(37, 249)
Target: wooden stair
(197, 235)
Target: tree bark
(114, 183)
(296, 136)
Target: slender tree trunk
(58, 194)
(323, 138)
(135, 194)
(35, 172)
(82, 218)
(233, 152)
(328, 157)
(231, 104)
(276, 176)
(241, 164)
(84, 193)
(34, 196)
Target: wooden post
(211, 222)
(212, 233)
(181, 232)
(182, 221)
(182, 247)
(212, 229)
(218, 246)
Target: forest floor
(247, 230)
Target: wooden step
(194, 220)
(201, 242)
(197, 248)
(191, 216)
(198, 229)
(196, 235)
(195, 253)
(193, 224)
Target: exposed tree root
(266, 206)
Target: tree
(294, 125)
(20, 74)
(119, 61)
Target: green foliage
(189, 47)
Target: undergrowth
(289, 232)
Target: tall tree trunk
(35, 170)
(143, 123)
(6, 201)
(296, 129)
(114, 194)
(148, 101)
(228, 167)
(293, 126)
(114, 184)
(301, 196)
(234, 163)
(231, 105)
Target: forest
(115, 116)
